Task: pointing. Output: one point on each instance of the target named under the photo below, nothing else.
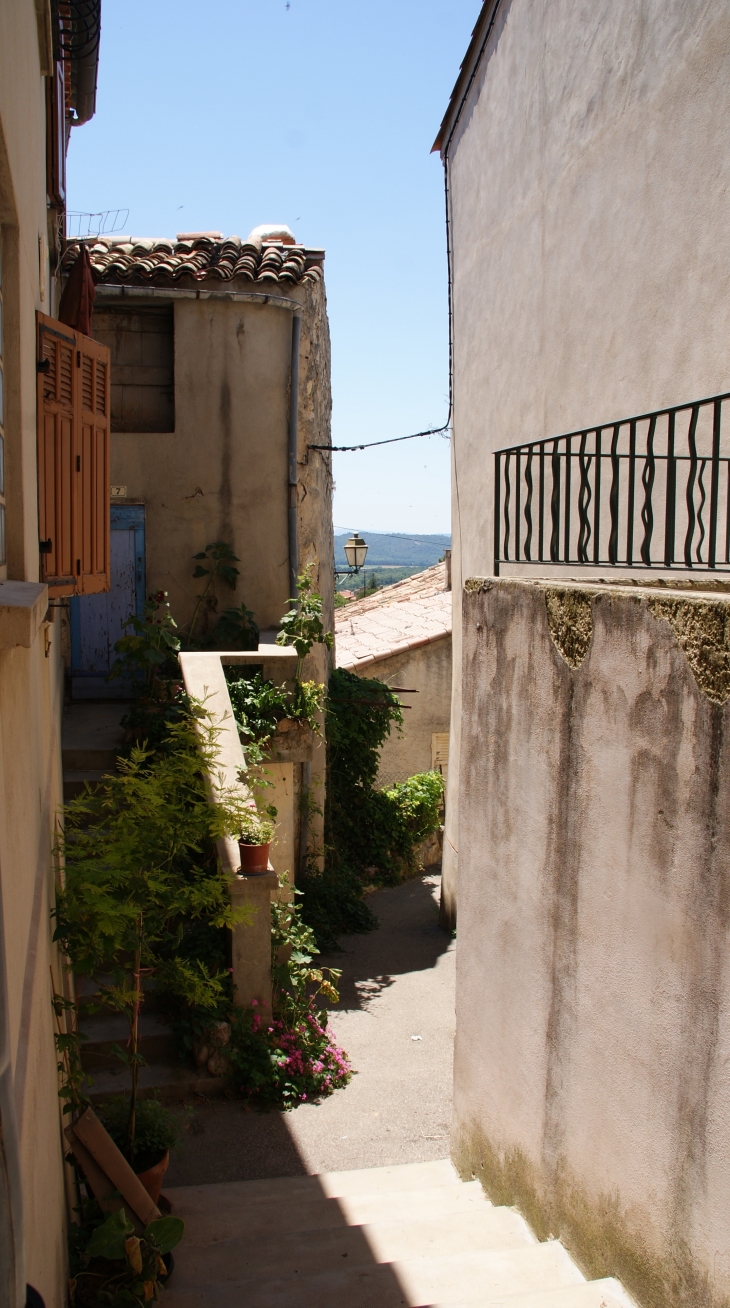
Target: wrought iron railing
(646, 492)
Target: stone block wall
(592, 1062)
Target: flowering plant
(291, 1056)
(257, 829)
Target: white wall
(589, 177)
(592, 1058)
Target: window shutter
(73, 459)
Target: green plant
(302, 626)
(221, 567)
(257, 829)
(236, 629)
(140, 863)
(259, 705)
(371, 835)
(121, 1270)
(157, 1129)
(150, 650)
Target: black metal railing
(646, 492)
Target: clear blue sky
(320, 114)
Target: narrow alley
(395, 1019)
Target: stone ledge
(23, 606)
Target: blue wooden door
(97, 621)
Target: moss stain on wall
(702, 629)
(593, 1229)
(570, 620)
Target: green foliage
(139, 854)
(216, 562)
(150, 650)
(291, 1057)
(258, 828)
(259, 705)
(302, 626)
(118, 1269)
(157, 1129)
(371, 835)
(236, 629)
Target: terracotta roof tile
(144, 261)
(405, 616)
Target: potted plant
(157, 1131)
(254, 842)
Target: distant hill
(396, 549)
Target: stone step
(478, 1277)
(102, 760)
(75, 781)
(101, 1032)
(278, 1252)
(171, 1082)
(215, 1212)
(608, 1293)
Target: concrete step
(275, 1253)
(608, 1293)
(101, 1032)
(410, 1236)
(170, 1081)
(215, 1212)
(477, 1277)
(75, 781)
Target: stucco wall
(426, 670)
(31, 682)
(592, 1061)
(588, 177)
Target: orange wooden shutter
(73, 459)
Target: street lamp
(355, 552)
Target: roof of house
(394, 620)
(146, 261)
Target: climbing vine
(371, 835)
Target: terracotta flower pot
(254, 859)
(152, 1178)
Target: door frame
(123, 517)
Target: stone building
(207, 336)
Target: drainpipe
(296, 331)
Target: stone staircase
(379, 1238)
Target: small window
(141, 345)
(3, 553)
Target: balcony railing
(646, 492)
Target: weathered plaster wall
(222, 474)
(31, 681)
(592, 1062)
(426, 670)
(591, 271)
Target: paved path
(397, 983)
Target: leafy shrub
(112, 1267)
(371, 835)
(259, 705)
(157, 1129)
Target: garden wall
(592, 1062)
